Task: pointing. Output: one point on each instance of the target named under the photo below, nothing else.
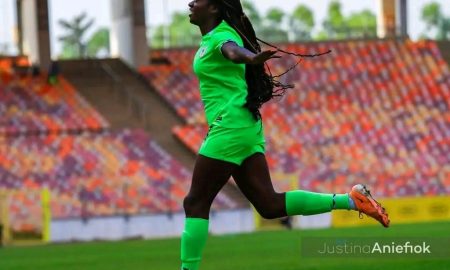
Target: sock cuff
(197, 224)
(292, 202)
(197, 220)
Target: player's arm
(240, 55)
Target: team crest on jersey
(202, 52)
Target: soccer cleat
(366, 204)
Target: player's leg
(253, 178)
(209, 176)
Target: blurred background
(166, 23)
(101, 119)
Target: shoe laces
(379, 206)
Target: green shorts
(233, 144)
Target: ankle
(351, 203)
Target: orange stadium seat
(51, 137)
(144, 171)
(30, 105)
(372, 111)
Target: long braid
(262, 85)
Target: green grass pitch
(268, 250)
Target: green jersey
(223, 87)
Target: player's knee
(188, 203)
(270, 211)
(267, 214)
(195, 205)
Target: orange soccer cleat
(366, 204)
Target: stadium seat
(372, 111)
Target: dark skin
(210, 175)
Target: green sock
(193, 241)
(300, 202)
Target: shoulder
(224, 29)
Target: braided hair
(262, 85)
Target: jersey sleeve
(225, 36)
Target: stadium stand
(191, 135)
(175, 83)
(7, 63)
(94, 174)
(179, 57)
(30, 105)
(50, 137)
(373, 111)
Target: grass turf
(269, 250)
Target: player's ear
(214, 9)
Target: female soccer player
(233, 85)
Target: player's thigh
(253, 179)
(209, 176)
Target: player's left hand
(263, 56)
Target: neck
(208, 26)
